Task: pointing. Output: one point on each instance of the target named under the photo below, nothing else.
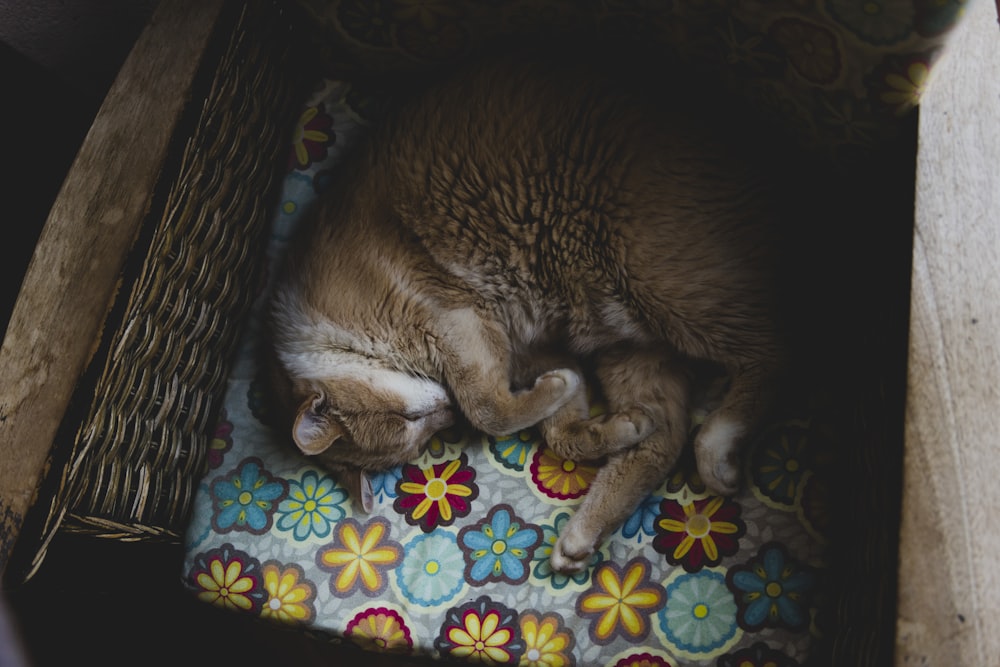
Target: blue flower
(245, 499)
(312, 505)
(497, 547)
(431, 572)
(642, 521)
(772, 589)
(384, 483)
(543, 564)
(700, 614)
(513, 451)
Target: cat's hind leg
(658, 386)
(476, 358)
(719, 441)
(572, 433)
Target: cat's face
(371, 420)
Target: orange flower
(560, 478)
(380, 630)
(358, 559)
(620, 601)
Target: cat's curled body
(519, 215)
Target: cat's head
(367, 422)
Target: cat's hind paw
(716, 450)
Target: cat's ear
(313, 430)
(359, 487)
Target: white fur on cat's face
(381, 417)
(353, 406)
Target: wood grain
(949, 582)
(73, 275)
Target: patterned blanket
(453, 561)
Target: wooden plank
(94, 221)
(949, 584)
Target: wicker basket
(133, 446)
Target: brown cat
(520, 214)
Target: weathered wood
(94, 221)
(949, 585)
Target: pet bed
(268, 534)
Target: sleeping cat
(515, 217)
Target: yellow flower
(545, 645)
(289, 595)
(226, 586)
(481, 639)
(620, 602)
(360, 559)
(905, 91)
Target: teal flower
(543, 565)
(431, 572)
(384, 483)
(245, 499)
(772, 589)
(700, 614)
(312, 506)
(496, 548)
(642, 522)
(513, 451)
(779, 461)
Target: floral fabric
(454, 559)
(837, 73)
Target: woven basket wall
(154, 391)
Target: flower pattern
(513, 451)
(496, 549)
(700, 533)
(899, 83)
(229, 578)
(222, 441)
(772, 590)
(643, 660)
(779, 460)
(481, 631)
(801, 61)
(880, 22)
(620, 601)
(560, 478)
(642, 522)
(812, 50)
(289, 596)
(384, 483)
(700, 615)
(380, 629)
(432, 569)
(436, 496)
(245, 499)
(312, 506)
(758, 655)
(547, 642)
(360, 557)
(543, 565)
(312, 138)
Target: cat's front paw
(572, 551)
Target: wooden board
(949, 580)
(73, 274)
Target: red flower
(436, 496)
(699, 533)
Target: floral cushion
(453, 561)
(838, 74)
